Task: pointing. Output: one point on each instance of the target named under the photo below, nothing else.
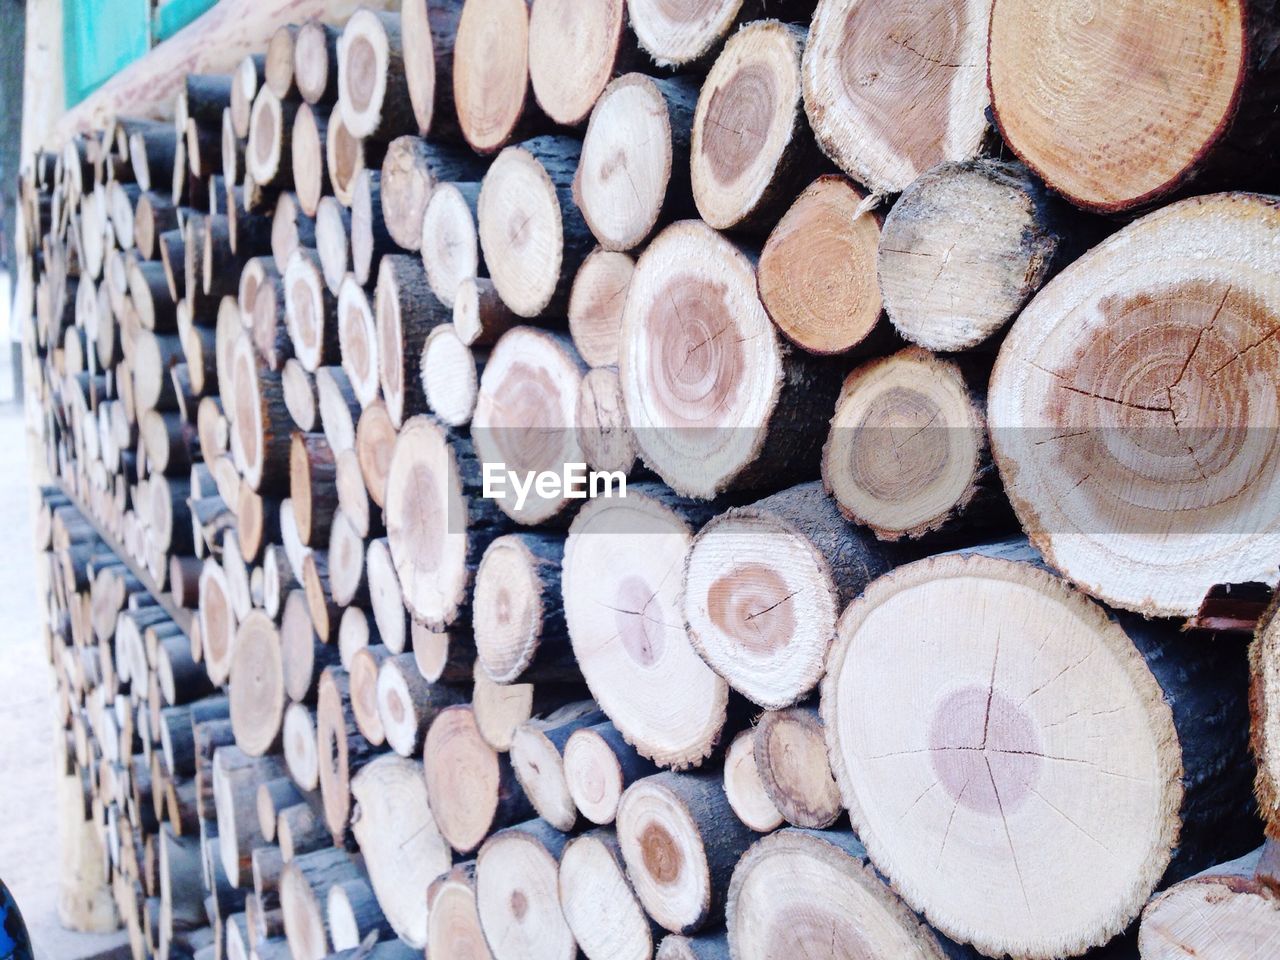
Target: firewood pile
(936, 343)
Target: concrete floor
(29, 842)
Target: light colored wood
(453, 923)
(491, 72)
(598, 902)
(680, 34)
(1225, 911)
(1142, 373)
(402, 848)
(575, 49)
(595, 305)
(693, 297)
(907, 452)
(885, 111)
(517, 894)
(964, 248)
(743, 787)
(1035, 722)
(621, 587)
(817, 269)
(791, 761)
(795, 888)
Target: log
(304, 657)
(437, 528)
(338, 408)
(817, 269)
(574, 51)
(370, 239)
(343, 750)
(751, 148)
(633, 174)
(362, 666)
(1226, 908)
(373, 89)
(299, 388)
(315, 62)
(245, 81)
(333, 242)
(604, 434)
(410, 170)
(708, 946)
(256, 684)
(278, 71)
(492, 100)
(791, 760)
(1058, 128)
(684, 37)
(530, 383)
(406, 311)
(358, 338)
(301, 830)
(598, 766)
(517, 894)
(680, 840)
(346, 156)
(236, 777)
(833, 895)
(1019, 698)
(450, 376)
(304, 889)
(385, 598)
(520, 632)
(638, 606)
(428, 32)
(300, 750)
(453, 923)
(270, 140)
(274, 797)
(1264, 708)
(479, 315)
(354, 915)
(290, 229)
(261, 427)
(311, 312)
(885, 112)
(449, 242)
(313, 487)
(595, 305)
(402, 848)
(907, 453)
(1092, 440)
(966, 246)
(757, 405)
(764, 586)
(407, 703)
(598, 902)
(744, 787)
(537, 757)
(532, 233)
(473, 788)
(308, 156)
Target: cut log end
(907, 447)
(817, 269)
(491, 71)
(573, 53)
(596, 303)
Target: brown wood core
(694, 366)
(751, 604)
(818, 268)
(348, 153)
(737, 122)
(642, 638)
(662, 857)
(362, 69)
(267, 131)
(877, 75)
(1172, 374)
(1158, 84)
(894, 452)
(985, 750)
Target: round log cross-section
(1134, 409)
(893, 88)
(1040, 732)
(1187, 72)
(575, 49)
(832, 895)
(707, 383)
(491, 72)
(621, 581)
(751, 147)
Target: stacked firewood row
(948, 424)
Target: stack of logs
(954, 484)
